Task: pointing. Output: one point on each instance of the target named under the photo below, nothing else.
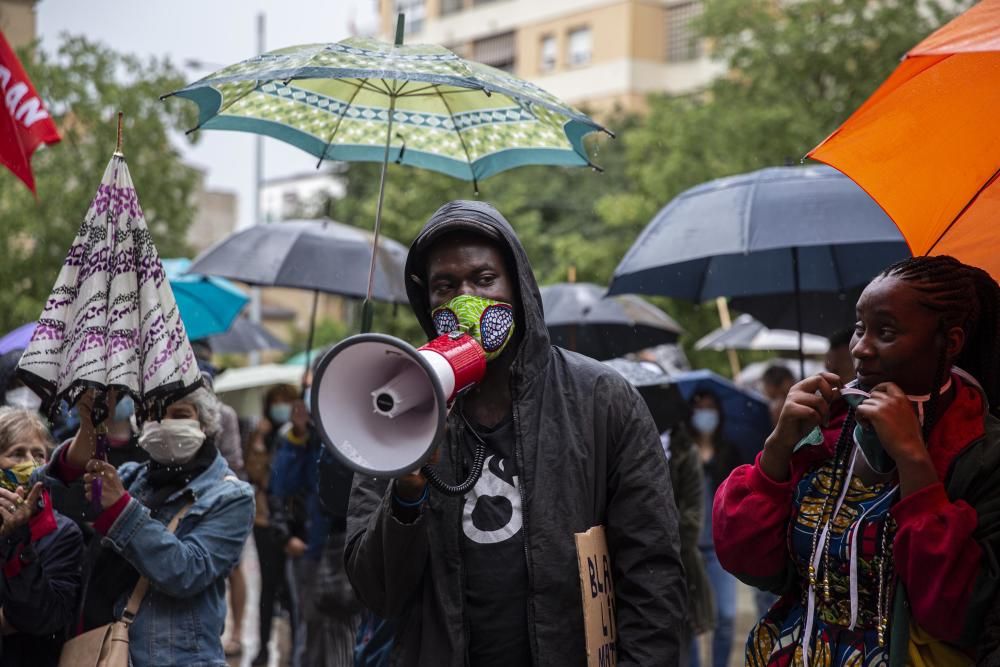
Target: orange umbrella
(926, 144)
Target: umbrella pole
(798, 311)
(726, 321)
(309, 339)
(366, 307)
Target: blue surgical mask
(307, 399)
(280, 413)
(705, 420)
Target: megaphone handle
(478, 458)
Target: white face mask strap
(920, 400)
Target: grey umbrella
(319, 255)
(775, 233)
(746, 333)
(243, 337)
(579, 317)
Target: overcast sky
(216, 32)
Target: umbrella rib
(468, 158)
(965, 208)
(225, 108)
(340, 120)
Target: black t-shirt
(496, 572)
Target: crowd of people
(865, 521)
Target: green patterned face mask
(489, 322)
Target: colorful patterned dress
(777, 639)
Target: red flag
(24, 121)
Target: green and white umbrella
(337, 102)
(361, 100)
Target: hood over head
(481, 218)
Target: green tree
(84, 85)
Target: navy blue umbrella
(746, 421)
(772, 234)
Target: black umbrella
(823, 313)
(775, 233)
(579, 317)
(243, 337)
(319, 255)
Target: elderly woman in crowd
(181, 619)
(39, 549)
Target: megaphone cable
(478, 459)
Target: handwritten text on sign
(598, 593)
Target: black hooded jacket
(589, 454)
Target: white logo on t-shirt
(491, 485)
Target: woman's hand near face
(16, 509)
(889, 412)
(806, 407)
(84, 444)
(112, 488)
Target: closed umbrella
(777, 233)
(111, 322)
(925, 144)
(208, 305)
(579, 317)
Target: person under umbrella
(871, 508)
(39, 549)
(184, 608)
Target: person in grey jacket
(491, 578)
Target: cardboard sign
(598, 592)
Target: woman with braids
(874, 508)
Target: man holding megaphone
(489, 577)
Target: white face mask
(23, 397)
(172, 441)
(705, 420)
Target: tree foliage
(84, 85)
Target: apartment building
(596, 54)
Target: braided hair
(966, 297)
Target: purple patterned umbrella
(17, 339)
(111, 321)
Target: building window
(451, 6)
(415, 12)
(496, 51)
(580, 46)
(683, 43)
(548, 54)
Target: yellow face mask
(17, 475)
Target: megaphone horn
(380, 404)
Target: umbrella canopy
(746, 421)
(251, 377)
(739, 236)
(208, 305)
(777, 232)
(746, 333)
(580, 318)
(925, 144)
(662, 396)
(244, 337)
(320, 255)
(823, 313)
(302, 358)
(111, 321)
(450, 115)
(17, 339)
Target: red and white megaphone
(380, 404)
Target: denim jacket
(181, 619)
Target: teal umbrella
(421, 105)
(208, 305)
